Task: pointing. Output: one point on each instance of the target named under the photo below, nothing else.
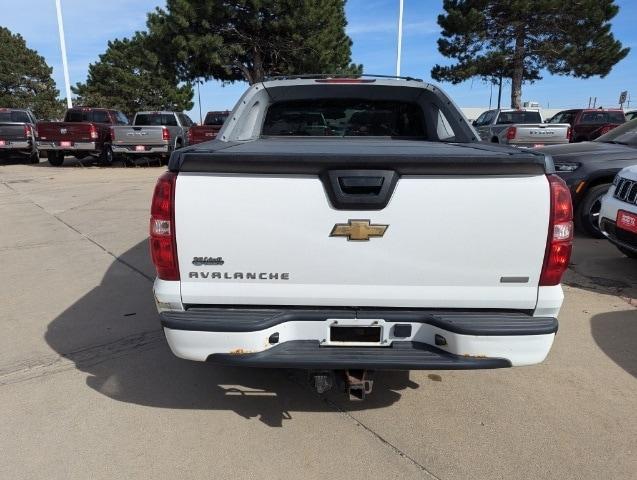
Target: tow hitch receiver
(358, 383)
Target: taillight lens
(560, 237)
(27, 130)
(189, 135)
(112, 134)
(569, 132)
(511, 132)
(165, 133)
(163, 245)
(93, 132)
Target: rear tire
(627, 252)
(588, 211)
(106, 157)
(34, 158)
(56, 159)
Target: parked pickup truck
(522, 128)
(208, 131)
(588, 124)
(281, 246)
(152, 134)
(17, 134)
(85, 132)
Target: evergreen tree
(25, 78)
(130, 78)
(250, 39)
(517, 39)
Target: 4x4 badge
(358, 230)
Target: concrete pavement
(89, 389)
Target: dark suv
(589, 168)
(588, 124)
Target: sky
(372, 25)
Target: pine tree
(25, 78)
(251, 39)
(130, 78)
(517, 39)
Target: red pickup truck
(85, 132)
(208, 131)
(589, 123)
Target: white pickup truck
(357, 224)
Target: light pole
(65, 64)
(199, 98)
(400, 37)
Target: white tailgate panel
(450, 241)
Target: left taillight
(165, 133)
(163, 245)
(511, 133)
(560, 235)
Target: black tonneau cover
(313, 156)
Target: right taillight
(112, 134)
(560, 235)
(163, 245)
(569, 132)
(511, 132)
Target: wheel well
(599, 181)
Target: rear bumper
(75, 147)
(538, 143)
(11, 145)
(608, 226)
(414, 339)
(149, 149)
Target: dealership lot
(89, 389)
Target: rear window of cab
(344, 118)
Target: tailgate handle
(361, 185)
(363, 189)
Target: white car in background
(618, 215)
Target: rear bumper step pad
(465, 323)
(308, 354)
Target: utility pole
(65, 64)
(400, 37)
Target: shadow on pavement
(112, 333)
(616, 334)
(94, 162)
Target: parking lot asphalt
(89, 388)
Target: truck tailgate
(12, 131)
(541, 133)
(454, 239)
(65, 131)
(151, 135)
